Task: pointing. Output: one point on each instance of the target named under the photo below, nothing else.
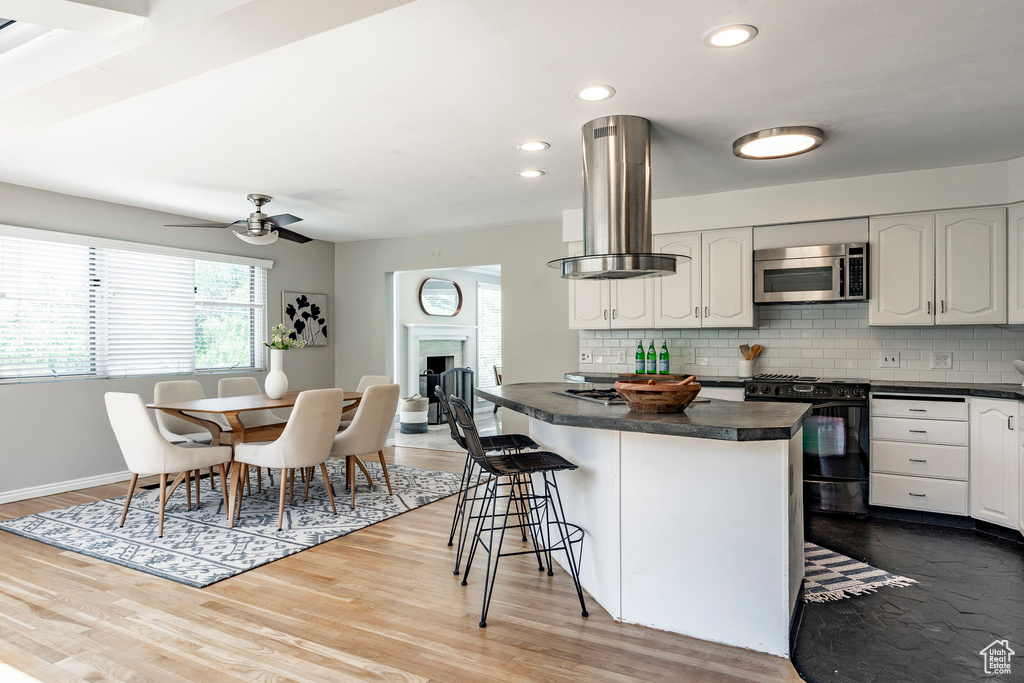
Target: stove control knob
(766, 390)
(858, 392)
(843, 391)
(752, 389)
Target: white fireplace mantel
(417, 332)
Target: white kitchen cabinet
(713, 288)
(970, 267)
(677, 301)
(901, 259)
(1015, 264)
(945, 268)
(727, 278)
(1020, 469)
(995, 476)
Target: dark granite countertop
(610, 377)
(721, 420)
(1009, 391)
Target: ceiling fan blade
(202, 225)
(283, 219)
(291, 235)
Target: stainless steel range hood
(617, 240)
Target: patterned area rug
(199, 549)
(830, 576)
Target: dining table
(204, 411)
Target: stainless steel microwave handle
(840, 266)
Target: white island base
(700, 537)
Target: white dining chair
(368, 433)
(248, 386)
(364, 382)
(179, 431)
(305, 443)
(147, 452)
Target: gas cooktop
(605, 396)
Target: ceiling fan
(260, 228)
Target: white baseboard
(63, 486)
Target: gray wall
(536, 341)
(58, 431)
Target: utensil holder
(745, 368)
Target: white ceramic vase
(276, 384)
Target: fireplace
(432, 349)
(430, 377)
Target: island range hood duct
(617, 241)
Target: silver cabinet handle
(929, 308)
(942, 306)
(606, 314)
(696, 311)
(918, 431)
(613, 314)
(919, 495)
(917, 460)
(707, 311)
(918, 410)
(1009, 422)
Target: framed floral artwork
(307, 315)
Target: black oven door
(836, 443)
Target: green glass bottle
(652, 360)
(663, 359)
(641, 362)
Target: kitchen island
(694, 521)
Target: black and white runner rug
(199, 549)
(830, 576)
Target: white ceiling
(406, 121)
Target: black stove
(777, 387)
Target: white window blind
(74, 310)
(488, 325)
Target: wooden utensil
(745, 350)
(754, 350)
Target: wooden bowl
(652, 396)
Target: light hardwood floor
(378, 604)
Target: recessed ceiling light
(594, 93)
(774, 143)
(531, 173)
(533, 146)
(730, 36)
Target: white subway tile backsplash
(832, 340)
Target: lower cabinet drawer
(919, 459)
(920, 431)
(919, 493)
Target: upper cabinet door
(727, 272)
(1015, 264)
(970, 266)
(902, 263)
(632, 303)
(588, 300)
(677, 297)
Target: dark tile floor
(970, 593)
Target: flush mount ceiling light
(730, 36)
(533, 146)
(594, 93)
(775, 143)
(531, 173)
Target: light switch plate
(942, 360)
(586, 357)
(890, 359)
(689, 356)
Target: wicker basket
(651, 396)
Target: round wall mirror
(440, 297)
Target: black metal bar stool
(543, 510)
(499, 442)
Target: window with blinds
(488, 325)
(76, 310)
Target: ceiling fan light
(261, 240)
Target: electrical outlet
(621, 357)
(890, 359)
(586, 357)
(689, 356)
(942, 360)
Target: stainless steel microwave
(830, 272)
